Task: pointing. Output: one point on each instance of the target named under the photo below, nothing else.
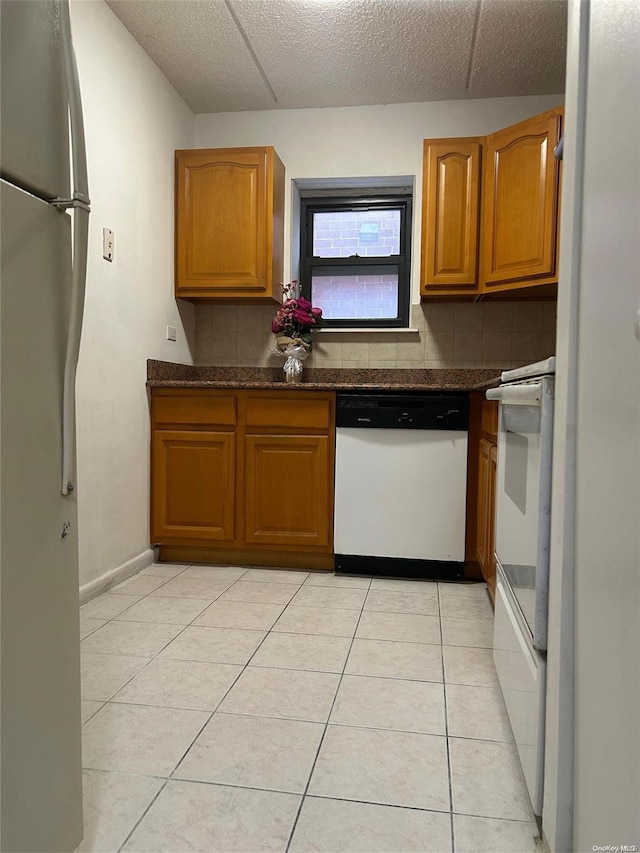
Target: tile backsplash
(487, 334)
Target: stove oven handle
(517, 395)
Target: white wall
(134, 120)
(363, 141)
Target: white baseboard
(115, 576)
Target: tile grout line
(145, 666)
(144, 812)
(244, 666)
(197, 735)
(149, 661)
(237, 787)
(115, 701)
(190, 624)
(446, 729)
(226, 693)
(103, 703)
(248, 663)
(207, 721)
(164, 784)
(108, 592)
(167, 598)
(326, 726)
(156, 654)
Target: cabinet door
(193, 489)
(486, 513)
(450, 211)
(490, 561)
(225, 217)
(287, 490)
(483, 504)
(520, 204)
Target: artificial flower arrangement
(295, 318)
(292, 324)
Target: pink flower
(296, 315)
(303, 318)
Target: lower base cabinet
(483, 436)
(286, 488)
(486, 513)
(242, 471)
(194, 479)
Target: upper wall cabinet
(520, 204)
(229, 224)
(490, 212)
(451, 199)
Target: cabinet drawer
(289, 412)
(197, 408)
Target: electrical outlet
(107, 244)
(171, 333)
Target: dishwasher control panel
(401, 410)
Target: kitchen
(134, 122)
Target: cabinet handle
(559, 149)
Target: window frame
(346, 202)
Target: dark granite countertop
(165, 374)
(489, 383)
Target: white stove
(523, 512)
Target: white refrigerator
(44, 210)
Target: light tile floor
(231, 710)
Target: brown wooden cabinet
(490, 213)
(193, 466)
(520, 204)
(450, 205)
(486, 512)
(194, 474)
(483, 430)
(243, 476)
(286, 489)
(229, 224)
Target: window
(354, 259)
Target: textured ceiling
(226, 55)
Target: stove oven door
(523, 495)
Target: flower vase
(293, 368)
(295, 352)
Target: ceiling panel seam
(245, 38)
(474, 39)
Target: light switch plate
(107, 244)
(171, 333)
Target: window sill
(360, 331)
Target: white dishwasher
(401, 483)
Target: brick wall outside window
(358, 296)
(340, 235)
(337, 235)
